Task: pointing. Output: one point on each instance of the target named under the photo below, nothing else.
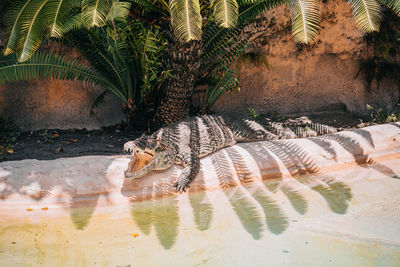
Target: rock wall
(56, 104)
(39, 104)
(309, 78)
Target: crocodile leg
(191, 159)
(191, 169)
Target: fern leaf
(15, 13)
(306, 20)
(31, 28)
(227, 81)
(367, 14)
(94, 12)
(57, 13)
(186, 19)
(226, 13)
(46, 66)
(119, 11)
(392, 4)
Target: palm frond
(186, 19)
(250, 9)
(57, 12)
(31, 29)
(73, 23)
(119, 11)
(150, 6)
(96, 103)
(392, 4)
(46, 66)
(227, 81)
(14, 15)
(94, 12)
(256, 57)
(306, 20)
(367, 14)
(226, 13)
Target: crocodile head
(147, 156)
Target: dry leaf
(10, 150)
(135, 235)
(73, 140)
(29, 209)
(56, 135)
(45, 208)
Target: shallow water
(343, 219)
(334, 200)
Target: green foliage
(31, 20)
(386, 47)
(186, 19)
(305, 20)
(9, 133)
(47, 137)
(255, 57)
(306, 17)
(252, 113)
(124, 58)
(367, 14)
(42, 66)
(220, 83)
(226, 13)
(380, 115)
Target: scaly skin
(187, 141)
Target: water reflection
(161, 211)
(336, 194)
(75, 179)
(244, 173)
(202, 206)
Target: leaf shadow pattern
(357, 151)
(240, 171)
(242, 205)
(72, 179)
(336, 194)
(297, 201)
(275, 218)
(298, 162)
(365, 135)
(326, 146)
(82, 210)
(162, 211)
(201, 205)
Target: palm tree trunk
(184, 61)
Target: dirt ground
(53, 144)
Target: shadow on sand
(243, 173)
(246, 192)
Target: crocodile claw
(180, 188)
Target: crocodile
(187, 141)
